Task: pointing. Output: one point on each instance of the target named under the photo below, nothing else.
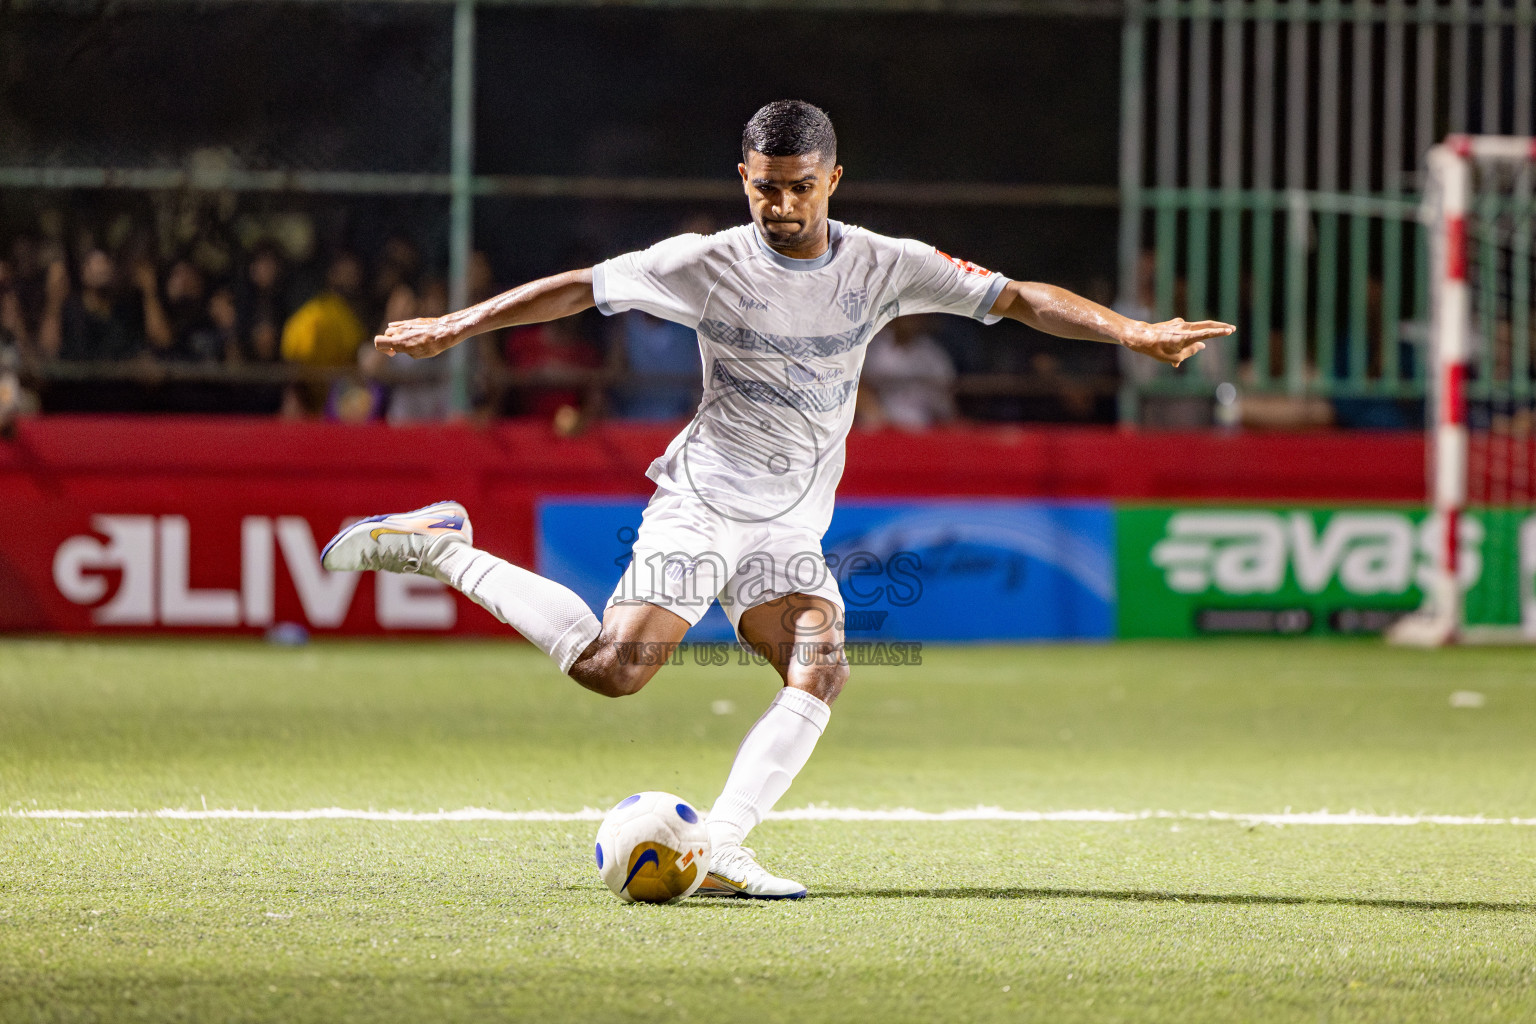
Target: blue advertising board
(938, 570)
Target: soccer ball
(652, 848)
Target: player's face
(788, 196)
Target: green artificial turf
(1154, 920)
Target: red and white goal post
(1481, 408)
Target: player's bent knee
(624, 680)
(620, 683)
(823, 682)
(604, 672)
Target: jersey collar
(834, 236)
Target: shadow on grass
(1153, 896)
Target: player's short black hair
(790, 128)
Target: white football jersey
(783, 342)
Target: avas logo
(1249, 552)
(151, 558)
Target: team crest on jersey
(965, 265)
(854, 302)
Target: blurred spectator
(908, 378)
(422, 395)
(92, 323)
(399, 264)
(205, 332)
(27, 284)
(1138, 371)
(1259, 410)
(649, 347)
(1142, 304)
(11, 395)
(1383, 348)
(418, 390)
(642, 346)
(223, 334)
(261, 304)
(326, 330)
(1167, 411)
(1069, 399)
(1267, 411)
(187, 317)
(153, 316)
(553, 350)
(217, 338)
(482, 279)
(353, 400)
(484, 354)
(15, 401)
(402, 304)
(14, 330)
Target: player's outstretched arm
(548, 298)
(1057, 311)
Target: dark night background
(612, 92)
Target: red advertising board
(189, 524)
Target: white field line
(1323, 817)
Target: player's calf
(801, 635)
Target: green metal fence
(1271, 157)
(1272, 165)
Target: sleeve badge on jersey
(965, 265)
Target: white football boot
(401, 542)
(733, 873)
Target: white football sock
(769, 758)
(552, 617)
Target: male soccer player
(783, 307)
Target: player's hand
(421, 338)
(1173, 341)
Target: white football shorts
(687, 555)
